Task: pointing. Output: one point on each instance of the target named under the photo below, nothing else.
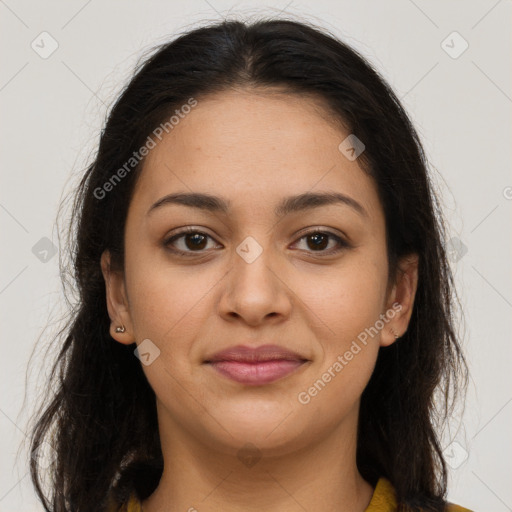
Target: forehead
(253, 148)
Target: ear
(401, 300)
(117, 302)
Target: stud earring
(120, 328)
(394, 333)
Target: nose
(255, 290)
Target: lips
(246, 354)
(255, 366)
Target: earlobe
(401, 300)
(117, 304)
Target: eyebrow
(291, 204)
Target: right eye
(187, 241)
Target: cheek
(170, 307)
(334, 393)
(349, 306)
(347, 300)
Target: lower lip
(256, 374)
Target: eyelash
(342, 244)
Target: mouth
(256, 374)
(256, 367)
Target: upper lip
(245, 354)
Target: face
(264, 262)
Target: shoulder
(132, 505)
(456, 508)
(384, 499)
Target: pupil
(316, 237)
(198, 238)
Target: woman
(266, 308)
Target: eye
(190, 240)
(187, 241)
(318, 240)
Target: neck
(320, 476)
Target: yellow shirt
(383, 500)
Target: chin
(271, 426)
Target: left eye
(319, 240)
(192, 241)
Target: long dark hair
(101, 416)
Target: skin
(254, 148)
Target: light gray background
(53, 108)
